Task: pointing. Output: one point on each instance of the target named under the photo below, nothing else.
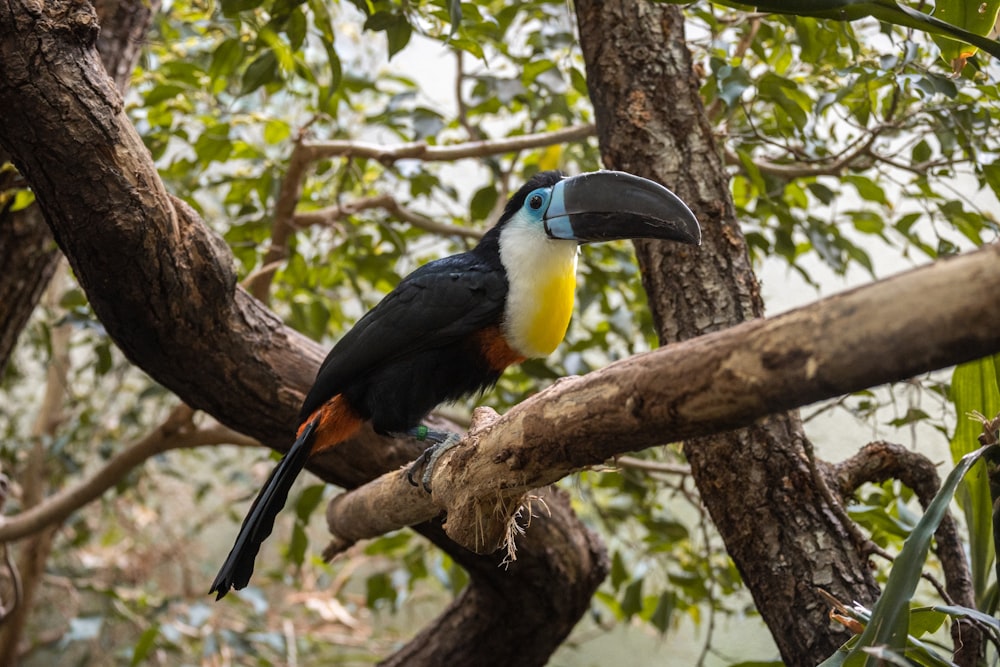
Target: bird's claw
(425, 463)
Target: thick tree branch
(28, 253)
(883, 332)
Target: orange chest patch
(499, 355)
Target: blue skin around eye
(556, 219)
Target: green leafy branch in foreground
(891, 628)
(964, 25)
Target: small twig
(284, 211)
(331, 214)
(651, 466)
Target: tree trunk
(773, 513)
(29, 257)
(28, 253)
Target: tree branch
(333, 214)
(176, 432)
(305, 153)
(421, 150)
(714, 383)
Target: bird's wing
(439, 303)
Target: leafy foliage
(843, 140)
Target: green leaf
(263, 70)
(22, 200)
(632, 599)
(977, 17)
(974, 388)
(619, 573)
(889, 624)
(104, 360)
(867, 188)
(298, 544)
(162, 93)
(231, 8)
(664, 611)
(926, 621)
(379, 587)
(455, 15)
(308, 501)
(482, 202)
(398, 35)
(226, 58)
(145, 644)
(276, 131)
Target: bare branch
(176, 432)
(652, 466)
(332, 214)
(717, 382)
(421, 150)
(305, 153)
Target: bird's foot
(439, 443)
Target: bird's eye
(535, 202)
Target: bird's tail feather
(236, 571)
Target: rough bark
(29, 257)
(164, 288)
(720, 381)
(28, 253)
(770, 509)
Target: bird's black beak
(608, 205)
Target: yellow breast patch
(553, 309)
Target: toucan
(450, 328)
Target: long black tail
(236, 571)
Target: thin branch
(832, 166)
(652, 466)
(176, 432)
(284, 212)
(332, 214)
(305, 153)
(421, 150)
(473, 131)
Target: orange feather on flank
(337, 423)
